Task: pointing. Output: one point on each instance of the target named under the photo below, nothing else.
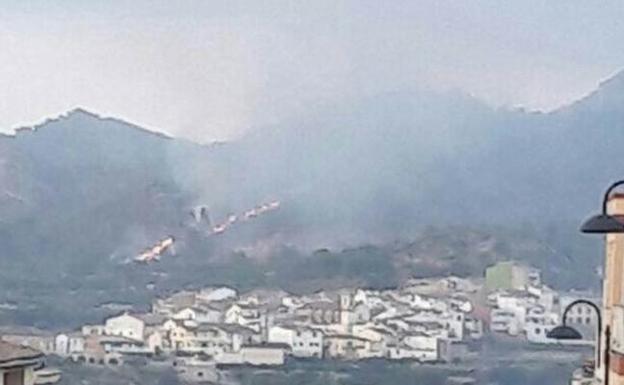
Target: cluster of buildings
(522, 305)
(425, 321)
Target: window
(538, 331)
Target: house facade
(125, 325)
(303, 342)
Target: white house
(518, 303)
(347, 346)
(125, 325)
(406, 352)
(245, 315)
(187, 313)
(179, 337)
(455, 325)
(504, 321)
(76, 343)
(215, 294)
(473, 327)
(537, 327)
(210, 339)
(266, 354)
(177, 301)
(237, 311)
(155, 341)
(421, 341)
(380, 336)
(452, 321)
(303, 342)
(61, 345)
(122, 345)
(93, 330)
(200, 314)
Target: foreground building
(18, 364)
(613, 301)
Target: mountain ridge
(82, 195)
(366, 171)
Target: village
(427, 320)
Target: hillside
(81, 195)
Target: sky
(213, 70)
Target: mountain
(78, 182)
(383, 166)
(81, 195)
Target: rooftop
(9, 353)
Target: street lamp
(604, 223)
(565, 332)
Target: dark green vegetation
(374, 372)
(73, 299)
(80, 195)
(498, 363)
(74, 374)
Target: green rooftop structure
(510, 275)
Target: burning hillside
(154, 253)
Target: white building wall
(126, 326)
(281, 335)
(61, 345)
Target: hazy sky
(211, 69)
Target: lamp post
(565, 332)
(602, 223)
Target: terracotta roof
(321, 305)
(10, 352)
(228, 328)
(117, 340)
(218, 305)
(151, 319)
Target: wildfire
(246, 216)
(153, 253)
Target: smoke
(215, 70)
